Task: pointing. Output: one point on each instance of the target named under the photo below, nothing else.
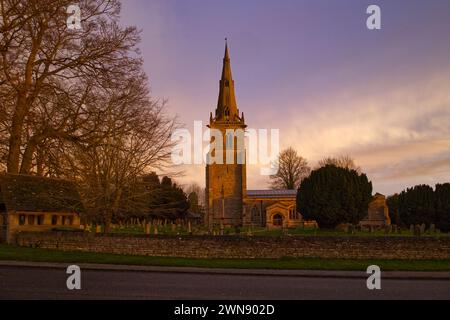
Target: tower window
(230, 143)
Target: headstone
(387, 229)
(147, 228)
(98, 229)
(351, 229)
(412, 230)
(432, 228)
(417, 230)
(422, 228)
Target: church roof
(38, 194)
(271, 193)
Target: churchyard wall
(349, 247)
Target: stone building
(30, 203)
(378, 213)
(227, 199)
(271, 209)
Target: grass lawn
(42, 255)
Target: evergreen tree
(442, 206)
(332, 195)
(393, 203)
(416, 205)
(163, 199)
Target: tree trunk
(15, 140)
(27, 159)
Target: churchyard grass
(14, 253)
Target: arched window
(229, 141)
(278, 220)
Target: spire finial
(227, 55)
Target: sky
(315, 71)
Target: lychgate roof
(38, 194)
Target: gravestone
(387, 229)
(351, 229)
(432, 228)
(422, 228)
(417, 230)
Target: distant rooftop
(272, 193)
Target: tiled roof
(272, 193)
(32, 193)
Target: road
(50, 283)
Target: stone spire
(227, 109)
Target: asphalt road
(50, 283)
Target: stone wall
(244, 247)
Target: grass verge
(14, 253)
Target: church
(228, 202)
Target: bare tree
(292, 170)
(135, 139)
(46, 65)
(344, 161)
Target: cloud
(401, 134)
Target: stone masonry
(244, 246)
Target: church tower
(226, 180)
